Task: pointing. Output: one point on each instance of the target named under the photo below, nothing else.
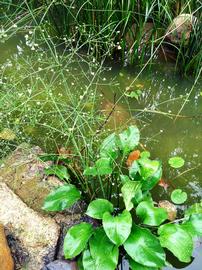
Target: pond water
(43, 108)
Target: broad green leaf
(102, 166)
(150, 171)
(61, 198)
(177, 240)
(103, 251)
(109, 148)
(87, 260)
(76, 239)
(194, 225)
(176, 162)
(90, 171)
(98, 207)
(117, 228)
(145, 154)
(144, 248)
(151, 215)
(194, 209)
(142, 196)
(59, 170)
(128, 139)
(178, 196)
(129, 190)
(80, 263)
(124, 178)
(136, 266)
(134, 169)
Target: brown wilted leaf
(132, 156)
(163, 184)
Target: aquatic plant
(127, 224)
(130, 30)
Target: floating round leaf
(178, 196)
(176, 162)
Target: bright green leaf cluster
(139, 228)
(110, 149)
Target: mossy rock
(23, 172)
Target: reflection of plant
(136, 229)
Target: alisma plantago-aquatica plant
(136, 228)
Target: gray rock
(37, 235)
(61, 265)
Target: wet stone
(61, 265)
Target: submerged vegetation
(125, 221)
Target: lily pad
(178, 196)
(176, 162)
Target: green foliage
(194, 209)
(97, 208)
(176, 239)
(109, 147)
(194, 225)
(128, 139)
(103, 251)
(178, 196)
(136, 266)
(87, 261)
(143, 247)
(176, 162)
(122, 228)
(117, 228)
(61, 198)
(151, 172)
(76, 239)
(151, 215)
(102, 167)
(59, 170)
(130, 190)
